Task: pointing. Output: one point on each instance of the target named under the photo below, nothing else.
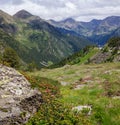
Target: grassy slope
(102, 84)
(47, 42)
(81, 57)
(91, 53)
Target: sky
(82, 10)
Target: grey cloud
(13, 2)
(50, 3)
(61, 9)
(110, 3)
(18, 2)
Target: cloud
(83, 10)
(11, 2)
(49, 3)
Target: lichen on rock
(18, 101)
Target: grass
(102, 83)
(91, 53)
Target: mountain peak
(23, 14)
(71, 20)
(112, 17)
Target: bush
(52, 111)
(114, 42)
(105, 49)
(11, 58)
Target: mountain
(98, 31)
(68, 24)
(7, 23)
(80, 57)
(11, 51)
(39, 40)
(109, 53)
(92, 54)
(23, 14)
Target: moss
(3, 109)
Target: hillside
(80, 57)
(92, 89)
(91, 54)
(39, 41)
(109, 53)
(11, 51)
(89, 85)
(98, 31)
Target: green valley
(59, 72)
(39, 41)
(92, 89)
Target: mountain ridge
(43, 41)
(92, 29)
(22, 14)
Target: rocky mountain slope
(109, 53)
(98, 31)
(18, 101)
(42, 41)
(92, 54)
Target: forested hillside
(37, 41)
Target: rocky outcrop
(112, 55)
(18, 101)
(100, 57)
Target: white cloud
(83, 10)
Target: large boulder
(18, 101)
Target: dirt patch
(82, 82)
(109, 90)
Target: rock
(100, 57)
(67, 66)
(79, 87)
(64, 83)
(82, 107)
(116, 97)
(18, 101)
(117, 58)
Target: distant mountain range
(40, 41)
(98, 31)
(36, 39)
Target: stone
(16, 97)
(116, 97)
(82, 107)
(63, 83)
(100, 57)
(79, 87)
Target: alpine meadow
(59, 62)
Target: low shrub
(53, 111)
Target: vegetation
(80, 57)
(112, 48)
(114, 42)
(36, 40)
(52, 110)
(100, 90)
(11, 58)
(10, 47)
(91, 85)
